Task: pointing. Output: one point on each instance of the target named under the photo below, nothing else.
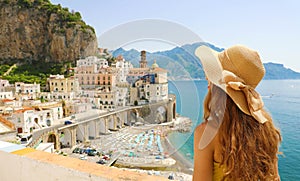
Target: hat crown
(243, 62)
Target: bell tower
(143, 62)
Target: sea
(281, 99)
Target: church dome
(154, 65)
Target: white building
(3, 84)
(151, 87)
(6, 95)
(123, 68)
(93, 60)
(28, 119)
(21, 87)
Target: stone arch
(133, 115)
(161, 114)
(92, 130)
(52, 139)
(118, 123)
(65, 138)
(80, 133)
(174, 110)
(102, 126)
(111, 123)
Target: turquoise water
(282, 100)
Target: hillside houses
(98, 83)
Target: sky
(270, 27)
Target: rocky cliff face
(39, 31)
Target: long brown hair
(248, 148)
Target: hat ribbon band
(254, 101)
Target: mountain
(36, 30)
(182, 64)
(180, 61)
(278, 71)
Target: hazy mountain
(278, 71)
(183, 64)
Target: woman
(237, 140)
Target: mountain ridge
(182, 63)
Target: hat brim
(213, 69)
(210, 63)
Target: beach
(144, 148)
(182, 164)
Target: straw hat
(236, 70)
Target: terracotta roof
(7, 100)
(24, 109)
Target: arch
(36, 120)
(52, 139)
(174, 110)
(102, 126)
(118, 123)
(111, 123)
(92, 130)
(133, 115)
(80, 132)
(161, 114)
(48, 122)
(65, 138)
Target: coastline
(182, 164)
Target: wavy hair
(248, 148)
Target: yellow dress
(217, 172)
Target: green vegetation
(3, 69)
(71, 18)
(35, 72)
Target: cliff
(36, 30)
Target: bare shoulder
(198, 134)
(200, 129)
